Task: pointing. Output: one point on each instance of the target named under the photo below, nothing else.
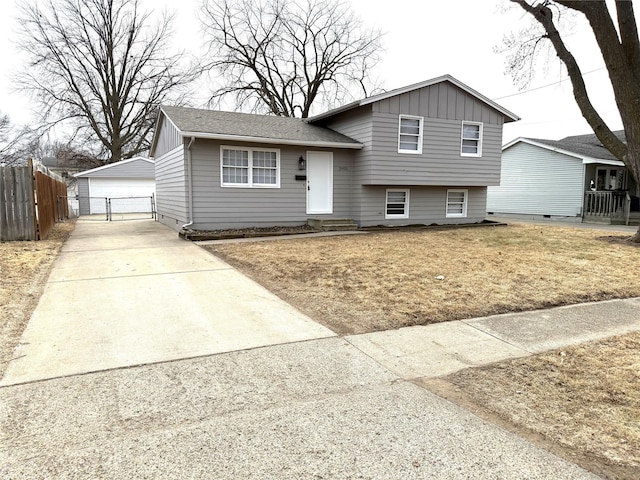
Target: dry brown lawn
(24, 269)
(585, 399)
(363, 283)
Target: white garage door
(127, 195)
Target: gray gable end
(444, 107)
(132, 168)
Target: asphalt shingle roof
(194, 120)
(587, 145)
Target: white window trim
(250, 183)
(420, 136)
(464, 205)
(406, 203)
(479, 153)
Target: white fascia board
(110, 165)
(271, 141)
(616, 163)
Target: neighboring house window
(397, 204)
(457, 203)
(249, 167)
(410, 134)
(471, 145)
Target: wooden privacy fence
(30, 202)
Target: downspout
(189, 185)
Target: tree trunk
(632, 161)
(622, 59)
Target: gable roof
(585, 147)
(509, 117)
(87, 173)
(248, 127)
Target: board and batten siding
(171, 188)
(168, 138)
(442, 100)
(538, 181)
(427, 205)
(217, 207)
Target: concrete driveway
(130, 293)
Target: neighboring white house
(574, 179)
(128, 186)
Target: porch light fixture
(302, 164)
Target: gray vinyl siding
(538, 181)
(171, 188)
(83, 196)
(440, 162)
(168, 138)
(217, 207)
(427, 205)
(133, 169)
(443, 107)
(355, 124)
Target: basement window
(456, 203)
(397, 203)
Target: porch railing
(607, 204)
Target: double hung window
(471, 143)
(249, 167)
(410, 134)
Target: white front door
(319, 182)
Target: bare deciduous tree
(102, 67)
(618, 42)
(283, 57)
(17, 144)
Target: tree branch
(543, 14)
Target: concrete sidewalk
(130, 293)
(314, 409)
(444, 348)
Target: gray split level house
(572, 179)
(421, 154)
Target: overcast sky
(424, 39)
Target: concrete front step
(332, 224)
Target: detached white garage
(127, 187)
